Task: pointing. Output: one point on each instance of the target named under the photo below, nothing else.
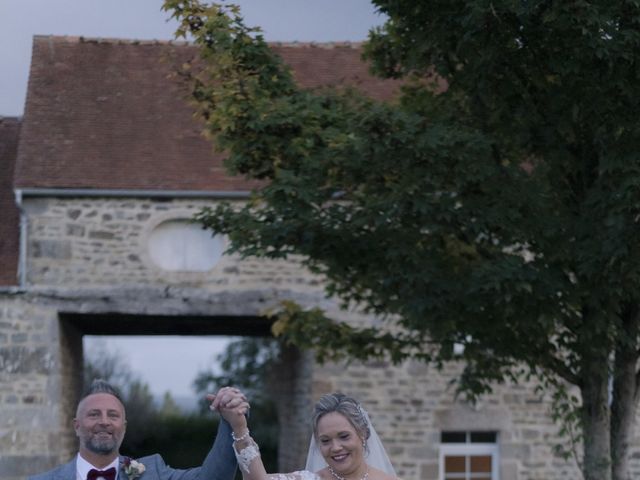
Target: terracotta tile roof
(9, 215)
(106, 114)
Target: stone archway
(47, 368)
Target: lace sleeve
(299, 475)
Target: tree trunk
(625, 393)
(595, 417)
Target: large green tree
(494, 204)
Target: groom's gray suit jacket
(220, 464)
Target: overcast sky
(166, 363)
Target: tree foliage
(247, 363)
(493, 204)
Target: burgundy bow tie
(108, 474)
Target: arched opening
(290, 385)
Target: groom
(100, 425)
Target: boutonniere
(132, 468)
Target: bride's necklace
(340, 477)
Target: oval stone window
(179, 245)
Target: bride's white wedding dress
(299, 475)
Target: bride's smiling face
(340, 444)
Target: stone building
(98, 182)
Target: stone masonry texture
(89, 256)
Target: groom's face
(100, 424)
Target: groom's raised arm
(220, 463)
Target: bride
(344, 444)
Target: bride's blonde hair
(356, 415)
(346, 406)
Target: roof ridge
(337, 44)
(109, 40)
(133, 41)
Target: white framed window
(469, 455)
(181, 245)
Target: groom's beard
(102, 445)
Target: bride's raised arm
(247, 450)
(344, 444)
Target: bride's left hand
(231, 404)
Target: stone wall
(38, 387)
(104, 241)
(410, 405)
(90, 257)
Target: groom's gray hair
(102, 386)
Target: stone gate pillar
(39, 386)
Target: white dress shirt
(83, 467)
